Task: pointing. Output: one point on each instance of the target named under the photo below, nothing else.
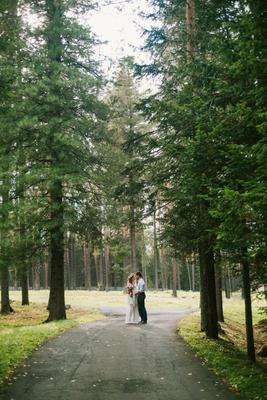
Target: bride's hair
(130, 277)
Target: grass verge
(226, 360)
(23, 331)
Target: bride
(132, 315)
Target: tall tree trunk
(87, 266)
(156, 253)
(188, 273)
(227, 287)
(67, 266)
(101, 269)
(174, 276)
(209, 320)
(54, 14)
(133, 238)
(218, 281)
(36, 275)
(190, 26)
(57, 296)
(107, 264)
(95, 254)
(143, 254)
(8, 12)
(179, 287)
(164, 274)
(73, 262)
(193, 267)
(5, 301)
(24, 287)
(248, 308)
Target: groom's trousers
(141, 306)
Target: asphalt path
(108, 360)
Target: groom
(140, 291)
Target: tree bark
(36, 275)
(209, 318)
(248, 308)
(179, 287)
(218, 280)
(5, 301)
(57, 296)
(143, 254)
(87, 266)
(164, 273)
(188, 274)
(107, 264)
(54, 14)
(156, 255)
(226, 284)
(174, 276)
(133, 238)
(24, 287)
(190, 26)
(8, 11)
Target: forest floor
(108, 360)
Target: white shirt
(141, 285)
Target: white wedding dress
(132, 314)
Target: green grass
(227, 359)
(23, 331)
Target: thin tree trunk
(101, 269)
(174, 276)
(107, 264)
(133, 239)
(193, 267)
(179, 287)
(190, 26)
(143, 254)
(188, 274)
(87, 266)
(218, 280)
(95, 254)
(73, 262)
(248, 308)
(156, 256)
(164, 274)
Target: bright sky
(120, 25)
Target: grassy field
(23, 331)
(227, 357)
(85, 298)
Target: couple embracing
(136, 299)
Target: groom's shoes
(142, 322)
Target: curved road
(109, 360)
